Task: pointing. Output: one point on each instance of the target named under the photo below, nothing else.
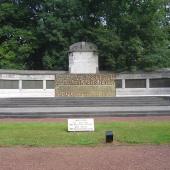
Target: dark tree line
(130, 34)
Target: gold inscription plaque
(85, 85)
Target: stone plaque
(85, 85)
(80, 125)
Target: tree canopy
(130, 34)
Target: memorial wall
(83, 79)
(14, 83)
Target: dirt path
(86, 158)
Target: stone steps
(83, 107)
(85, 102)
(83, 115)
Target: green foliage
(17, 41)
(130, 34)
(16, 47)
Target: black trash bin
(109, 136)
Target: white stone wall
(20, 92)
(142, 92)
(83, 62)
(45, 76)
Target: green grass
(55, 134)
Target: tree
(17, 40)
(130, 34)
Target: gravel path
(86, 158)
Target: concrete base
(6, 93)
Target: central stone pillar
(83, 58)
(84, 79)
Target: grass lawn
(55, 134)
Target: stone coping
(161, 72)
(30, 72)
(83, 47)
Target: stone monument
(83, 58)
(84, 79)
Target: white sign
(77, 125)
